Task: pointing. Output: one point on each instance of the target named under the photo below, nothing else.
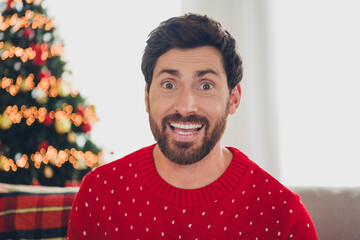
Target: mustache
(177, 117)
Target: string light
(33, 113)
(30, 52)
(29, 20)
(52, 155)
(49, 85)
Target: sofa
(35, 212)
(334, 211)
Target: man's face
(188, 103)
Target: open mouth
(185, 129)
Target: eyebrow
(169, 71)
(204, 72)
(176, 73)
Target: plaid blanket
(34, 212)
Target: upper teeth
(185, 126)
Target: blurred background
(299, 116)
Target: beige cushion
(334, 211)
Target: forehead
(193, 59)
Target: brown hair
(191, 31)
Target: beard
(185, 153)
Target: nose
(186, 103)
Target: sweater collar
(191, 197)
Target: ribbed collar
(191, 197)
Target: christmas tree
(44, 123)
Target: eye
(168, 85)
(206, 86)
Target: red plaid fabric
(34, 212)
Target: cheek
(212, 111)
(216, 106)
(158, 108)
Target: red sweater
(127, 199)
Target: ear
(235, 99)
(146, 98)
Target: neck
(195, 175)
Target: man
(188, 186)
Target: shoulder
(260, 181)
(285, 205)
(120, 168)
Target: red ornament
(48, 120)
(86, 127)
(28, 33)
(9, 3)
(43, 145)
(80, 110)
(44, 73)
(39, 50)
